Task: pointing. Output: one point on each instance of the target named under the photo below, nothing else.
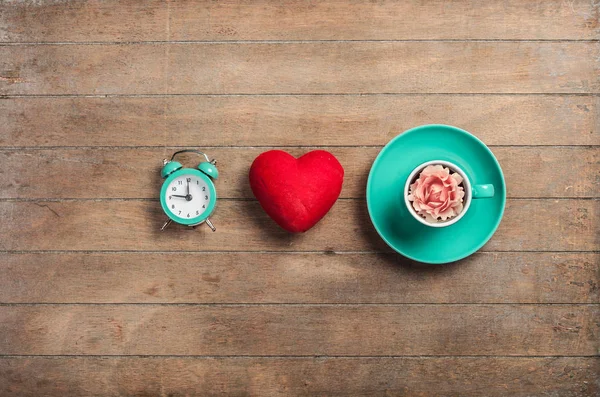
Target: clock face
(187, 196)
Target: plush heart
(296, 193)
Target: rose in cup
(437, 194)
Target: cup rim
(467, 188)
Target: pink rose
(436, 194)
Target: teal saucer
(388, 211)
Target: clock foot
(167, 223)
(212, 227)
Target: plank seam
(263, 304)
(150, 356)
(224, 252)
(281, 94)
(315, 41)
(107, 147)
(246, 199)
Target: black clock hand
(188, 188)
(188, 197)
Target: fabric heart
(296, 193)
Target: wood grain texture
(294, 120)
(301, 68)
(531, 172)
(296, 20)
(93, 94)
(553, 225)
(503, 277)
(495, 377)
(348, 330)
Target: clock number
(179, 213)
(203, 188)
(180, 182)
(170, 197)
(188, 215)
(197, 212)
(173, 206)
(204, 206)
(197, 182)
(189, 179)
(205, 197)
(174, 188)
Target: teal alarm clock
(188, 195)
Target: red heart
(296, 193)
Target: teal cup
(404, 230)
(472, 192)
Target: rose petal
(459, 179)
(425, 206)
(420, 192)
(431, 169)
(437, 187)
(430, 218)
(437, 194)
(447, 204)
(445, 195)
(449, 213)
(435, 204)
(416, 206)
(427, 194)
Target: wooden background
(95, 301)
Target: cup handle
(483, 191)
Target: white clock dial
(188, 196)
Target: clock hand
(188, 196)
(176, 195)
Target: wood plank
(530, 172)
(464, 376)
(553, 225)
(296, 20)
(348, 330)
(294, 120)
(296, 278)
(88, 20)
(301, 68)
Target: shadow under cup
(471, 192)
